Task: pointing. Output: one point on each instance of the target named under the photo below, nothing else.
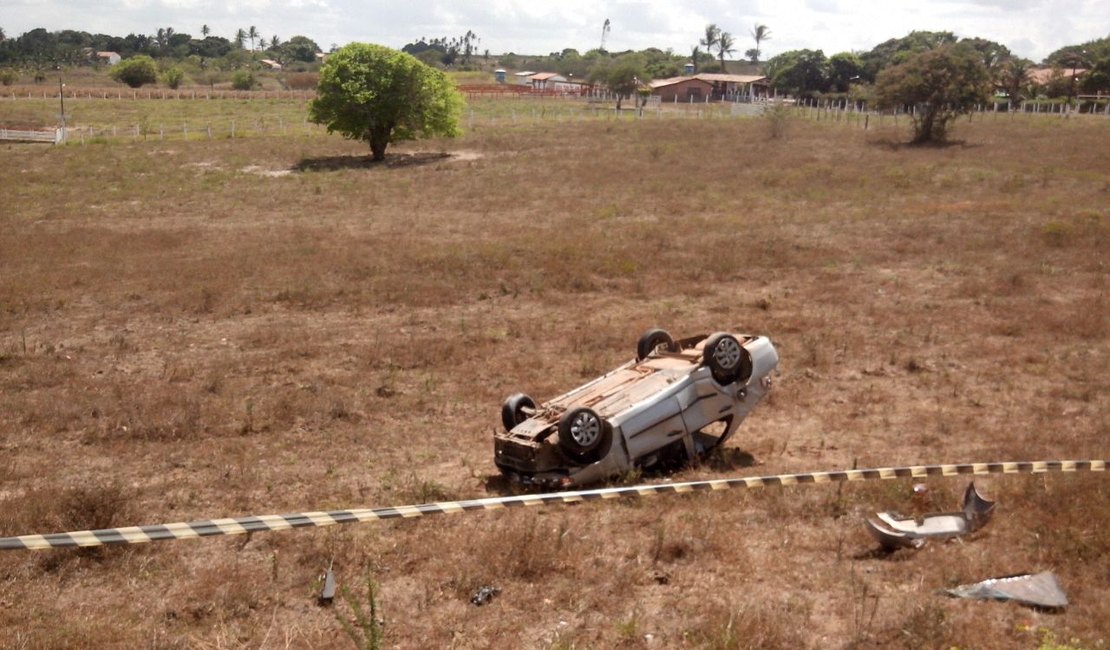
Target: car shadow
(392, 161)
(720, 460)
(728, 458)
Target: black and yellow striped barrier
(239, 526)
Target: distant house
(681, 89)
(546, 80)
(731, 86)
(1045, 76)
(271, 64)
(522, 77)
(710, 85)
(111, 58)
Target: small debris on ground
(327, 595)
(1040, 590)
(484, 595)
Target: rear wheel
(512, 411)
(727, 359)
(583, 434)
(652, 340)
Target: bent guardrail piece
(894, 531)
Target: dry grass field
(202, 329)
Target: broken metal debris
(484, 595)
(894, 531)
(1031, 589)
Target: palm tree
(2, 36)
(205, 30)
(694, 58)
(1014, 77)
(274, 41)
(712, 34)
(252, 34)
(760, 33)
(724, 46)
(240, 37)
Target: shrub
(8, 76)
(776, 115)
(136, 71)
(243, 80)
(173, 77)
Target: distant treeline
(41, 48)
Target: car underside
(675, 402)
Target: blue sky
(1031, 28)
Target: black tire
(512, 411)
(652, 339)
(727, 359)
(583, 434)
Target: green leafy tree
(623, 75)
(659, 64)
(299, 48)
(379, 95)
(844, 68)
(1097, 79)
(136, 71)
(801, 73)
(939, 85)
(898, 50)
(1063, 56)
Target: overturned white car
(676, 399)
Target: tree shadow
(392, 161)
(899, 145)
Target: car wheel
(583, 433)
(512, 411)
(727, 359)
(652, 339)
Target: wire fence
(120, 93)
(186, 130)
(494, 113)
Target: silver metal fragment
(893, 531)
(1031, 589)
